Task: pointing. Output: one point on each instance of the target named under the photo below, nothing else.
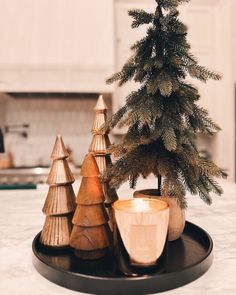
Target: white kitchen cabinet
(56, 45)
(210, 30)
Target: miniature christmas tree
(163, 116)
(90, 235)
(60, 202)
(99, 145)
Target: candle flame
(141, 205)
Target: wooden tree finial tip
(99, 121)
(59, 150)
(100, 105)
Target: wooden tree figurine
(90, 236)
(60, 202)
(99, 146)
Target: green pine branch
(163, 118)
(170, 4)
(140, 17)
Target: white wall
(234, 37)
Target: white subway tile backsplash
(49, 115)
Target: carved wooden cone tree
(60, 202)
(98, 146)
(90, 235)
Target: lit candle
(143, 225)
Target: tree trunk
(159, 178)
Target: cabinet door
(15, 21)
(209, 23)
(50, 40)
(14, 32)
(56, 45)
(73, 40)
(74, 32)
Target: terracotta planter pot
(177, 215)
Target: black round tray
(184, 261)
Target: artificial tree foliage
(163, 117)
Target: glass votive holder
(143, 225)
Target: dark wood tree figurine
(90, 236)
(60, 202)
(99, 145)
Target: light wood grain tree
(99, 146)
(60, 202)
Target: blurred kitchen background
(55, 56)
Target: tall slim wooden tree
(91, 235)
(99, 146)
(60, 202)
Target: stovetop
(23, 175)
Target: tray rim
(207, 258)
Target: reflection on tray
(176, 256)
(112, 265)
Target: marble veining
(21, 218)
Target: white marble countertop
(21, 219)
